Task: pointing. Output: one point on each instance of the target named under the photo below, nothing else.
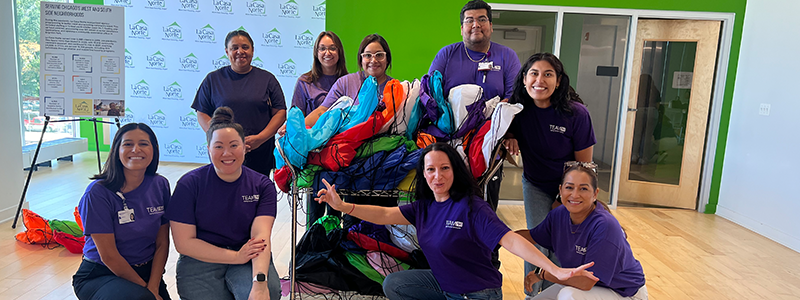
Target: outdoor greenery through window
(27, 20)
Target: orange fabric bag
(37, 230)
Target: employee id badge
(126, 216)
(485, 66)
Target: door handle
(632, 109)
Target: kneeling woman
(127, 235)
(584, 230)
(457, 231)
(221, 216)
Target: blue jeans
(421, 285)
(537, 205)
(199, 280)
(95, 281)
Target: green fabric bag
(329, 222)
(306, 176)
(386, 143)
(68, 227)
(360, 262)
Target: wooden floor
(685, 254)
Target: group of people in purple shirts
(221, 215)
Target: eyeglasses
(587, 165)
(379, 56)
(322, 49)
(481, 20)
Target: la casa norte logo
(156, 61)
(139, 30)
(271, 38)
(290, 9)
(304, 40)
(174, 149)
(173, 32)
(140, 89)
(128, 117)
(82, 106)
(201, 151)
(319, 11)
(221, 62)
(189, 121)
(189, 63)
(157, 119)
(189, 5)
(156, 4)
(206, 34)
(257, 62)
(255, 8)
(129, 59)
(222, 7)
(123, 3)
(173, 91)
(287, 68)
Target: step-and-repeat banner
(170, 46)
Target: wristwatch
(260, 277)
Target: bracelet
(540, 274)
(352, 209)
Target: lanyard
(124, 205)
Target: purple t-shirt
(600, 239)
(221, 211)
(251, 96)
(458, 69)
(349, 85)
(458, 242)
(550, 139)
(136, 241)
(308, 96)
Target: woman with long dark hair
(553, 127)
(457, 231)
(127, 234)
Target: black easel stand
(39, 146)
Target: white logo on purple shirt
(559, 129)
(580, 250)
(154, 210)
(250, 198)
(453, 224)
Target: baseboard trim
(756, 226)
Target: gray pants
(199, 280)
(537, 205)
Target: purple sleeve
(164, 182)
(299, 96)
(337, 90)
(268, 201)
(489, 229)
(202, 100)
(183, 202)
(439, 61)
(96, 210)
(583, 137)
(542, 233)
(604, 253)
(510, 74)
(409, 211)
(277, 99)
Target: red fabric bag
(73, 244)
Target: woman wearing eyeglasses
(553, 127)
(329, 65)
(583, 230)
(374, 57)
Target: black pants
(262, 159)
(97, 282)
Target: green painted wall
(417, 29)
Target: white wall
(760, 186)
(11, 179)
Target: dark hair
(223, 118)
(476, 4)
(562, 97)
(369, 39)
(113, 176)
(316, 68)
(235, 33)
(592, 180)
(463, 183)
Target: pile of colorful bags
(50, 234)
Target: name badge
(126, 216)
(485, 66)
